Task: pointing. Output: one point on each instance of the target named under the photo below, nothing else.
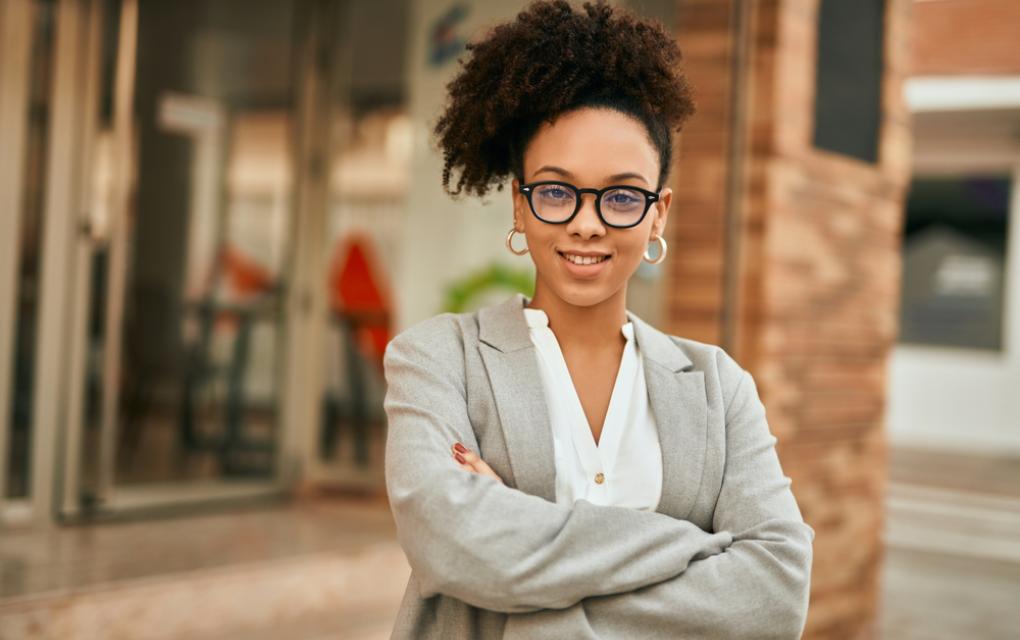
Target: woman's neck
(598, 324)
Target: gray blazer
(725, 555)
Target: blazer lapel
(678, 401)
(509, 357)
(676, 394)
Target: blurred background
(214, 214)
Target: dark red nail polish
(459, 458)
(459, 447)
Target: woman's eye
(622, 199)
(555, 193)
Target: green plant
(461, 293)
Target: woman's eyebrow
(616, 176)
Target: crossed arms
(612, 570)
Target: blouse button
(599, 478)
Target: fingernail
(459, 447)
(459, 458)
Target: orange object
(244, 275)
(358, 292)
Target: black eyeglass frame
(650, 197)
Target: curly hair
(549, 60)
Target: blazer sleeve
(492, 546)
(757, 588)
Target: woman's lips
(584, 270)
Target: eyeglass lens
(621, 207)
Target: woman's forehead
(553, 172)
(591, 144)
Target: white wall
(444, 239)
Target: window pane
(953, 262)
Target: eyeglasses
(619, 206)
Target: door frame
(15, 50)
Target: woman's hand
(470, 461)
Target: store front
(220, 212)
(191, 310)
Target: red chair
(361, 309)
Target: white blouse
(625, 467)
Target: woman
(557, 467)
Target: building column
(789, 256)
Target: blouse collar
(503, 327)
(538, 319)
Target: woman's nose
(587, 223)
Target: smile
(582, 260)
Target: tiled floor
(315, 569)
(952, 565)
(939, 596)
(331, 568)
(85, 556)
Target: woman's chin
(583, 295)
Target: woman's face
(594, 148)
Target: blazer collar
(504, 326)
(676, 394)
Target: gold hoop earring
(662, 252)
(510, 246)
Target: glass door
(185, 283)
(369, 173)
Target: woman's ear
(662, 212)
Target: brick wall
(966, 37)
(696, 228)
(817, 265)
